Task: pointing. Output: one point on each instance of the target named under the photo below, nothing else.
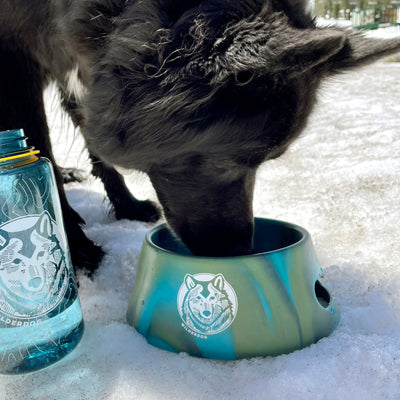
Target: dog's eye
(41, 254)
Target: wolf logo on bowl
(207, 303)
(34, 274)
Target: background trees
(344, 8)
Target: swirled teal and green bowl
(264, 304)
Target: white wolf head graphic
(33, 273)
(207, 303)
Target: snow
(341, 181)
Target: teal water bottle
(40, 314)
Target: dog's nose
(35, 282)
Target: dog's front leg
(21, 106)
(125, 205)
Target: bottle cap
(13, 145)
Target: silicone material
(228, 308)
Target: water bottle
(40, 314)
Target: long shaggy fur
(196, 93)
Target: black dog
(196, 93)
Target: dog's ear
(268, 44)
(189, 281)
(282, 52)
(45, 228)
(360, 50)
(219, 281)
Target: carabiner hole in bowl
(322, 295)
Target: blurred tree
(343, 8)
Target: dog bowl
(264, 304)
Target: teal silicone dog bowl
(264, 304)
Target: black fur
(195, 93)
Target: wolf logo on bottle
(34, 272)
(207, 303)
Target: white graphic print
(207, 304)
(34, 274)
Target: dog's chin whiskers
(100, 15)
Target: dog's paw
(86, 255)
(72, 175)
(137, 210)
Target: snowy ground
(341, 181)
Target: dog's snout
(217, 241)
(35, 283)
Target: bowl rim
(305, 237)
